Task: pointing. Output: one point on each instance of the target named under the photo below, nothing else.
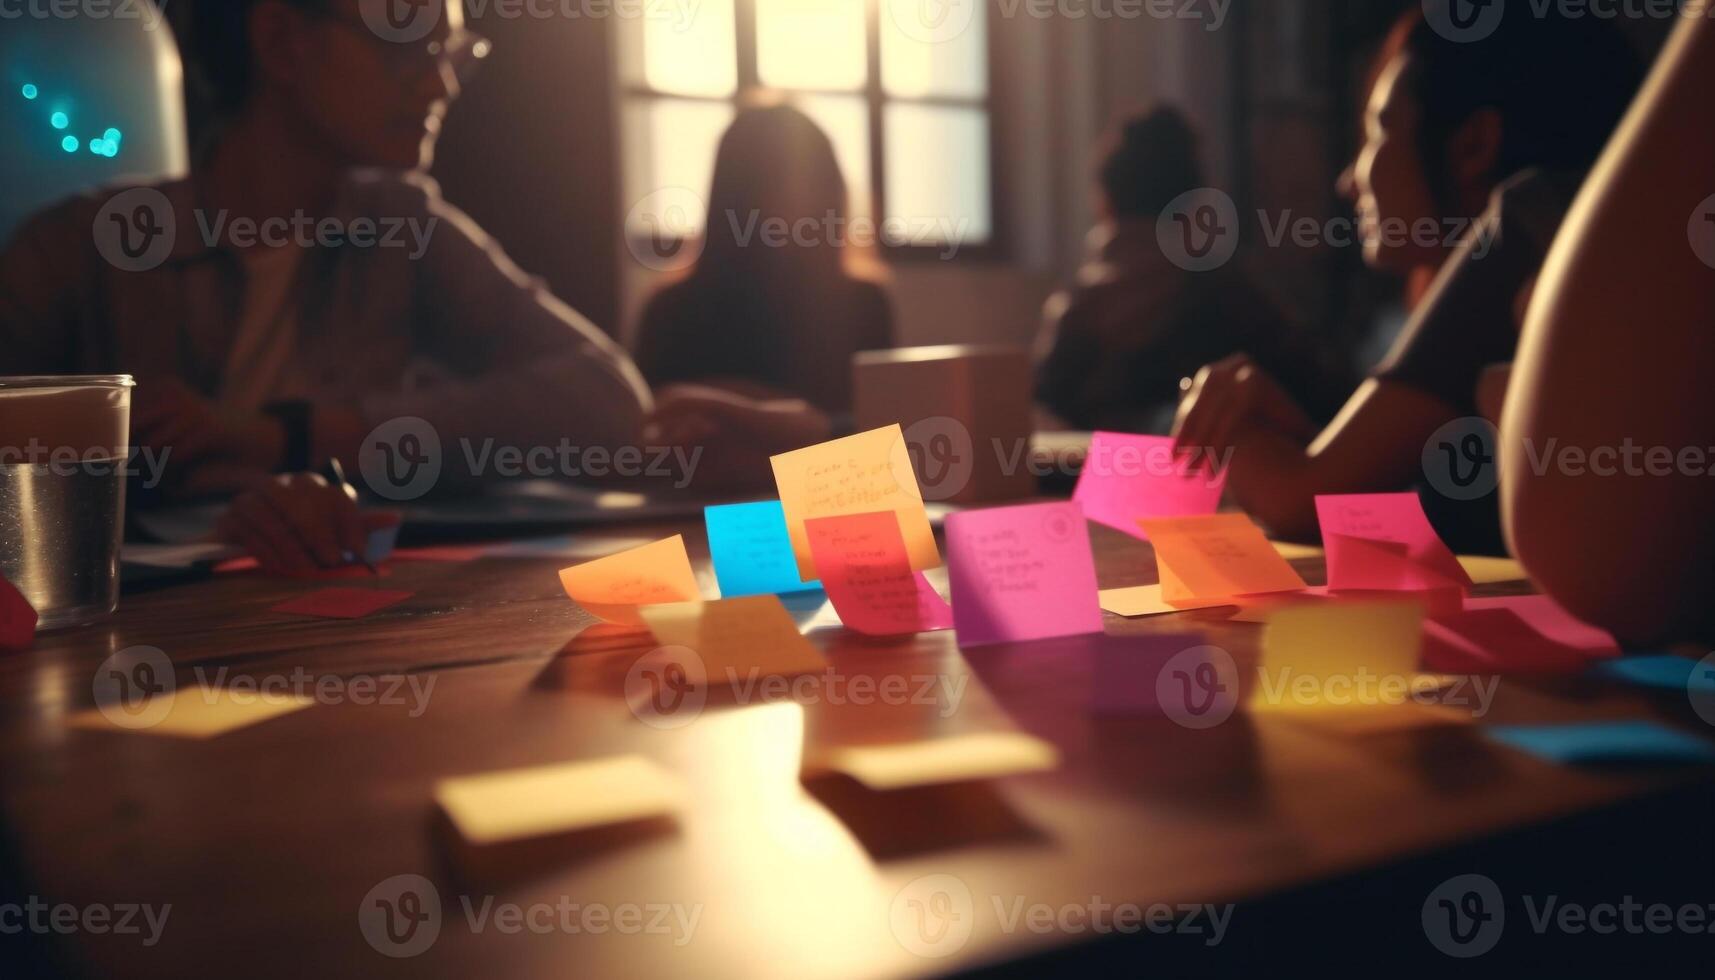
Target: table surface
(270, 838)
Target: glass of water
(64, 447)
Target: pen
(336, 473)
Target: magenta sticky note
(1526, 634)
(1384, 542)
(1172, 674)
(1022, 573)
(1127, 478)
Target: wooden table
(267, 841)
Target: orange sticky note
(867, 575)
(860, 474)
(613, 587)
(736, 638)
(1216, 556)
(1145, 600)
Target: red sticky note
(867, 574)
(1022, 573)
(1128, 478)
(1384, 542)
(343, 603)
(17, 620)
(1512, 634)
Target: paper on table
(612, 588)
(736, 637)
(1486, 571)
(1145, 600)
(17, 619)
(342, 603)
(859, 474)
(1384, 542)
(1338, 655)
(1380, 719)
(1665, 671)
(526, 803)
(1128, 477)
(957, 759)
(1021, 573)
(1216, 556)
(1290, 551)
(192, 712)
(1604, 741)
(751, 550)
(1508, 634)
(868, 576)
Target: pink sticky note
(1022, 573)
(342, 603)
(1173, 674)
(1512, 634)
(1384, 542)
(867, 574)
(17, 620)
(1127, 478)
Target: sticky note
(612, 588)
(1132, 675)
(1145, 600)
(1513, 634)
(860, 474)
(343, 603)
(1216, 556)
(1486, 571)
(1384, 542)
(1605, 742)
(17, 619)
(736, 638)
(867, 575)
(1380, 719)
(957, 759)
(1290, 551)
(1021, 573)
(451, 553)
(527, 803)
(193, 712)
(1127, 478)
(1338, 655)
(381, 543)
(1665, 671)
(751, 550)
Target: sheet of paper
(1384, 542)
(958, 759)
(1022, 573)
(1487, 571)
(867, 575)
(1326, 655)
(1513, 634)
(1605, 742)
(1145, 600)
(177, 555)
(17, 619)
(1664, 671)
(1216, 556)
(1127, 478)
(353, 603)
(1290, 551)
(1138, 675)
(527, 803)
(612, 588)
(751, 550)
(192, 712)
(859, 474)
(736, 638)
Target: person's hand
(209, 450)
(737, 433)
(299, 524)
(1227, 399)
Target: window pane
(845, 118)
(670, 156)
(691, 53)
(934, 48)
(937, 175)
(811, 44)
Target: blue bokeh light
(70, 144)
(30, 92)
(112, 135)
(59, 120)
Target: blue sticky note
(1604, 741)
(1664, 671)
(381, 543)
(752, 551)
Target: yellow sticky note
(1216, 556)
(736, 637)
(193, 712)
(1382, 719)
(1339, 655)
(523, 803)
(1484, 570)
(862, 474)
(613, 587)
(949, 760)
(1145, 600)
(1289, 551)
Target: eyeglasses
(462, 51)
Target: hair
(1149, 161)
(1560, 84)
(217, 49)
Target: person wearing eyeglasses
(306, 283)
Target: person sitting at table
(1486, 141)
(1113, 348)
(1617, 352)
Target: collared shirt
(402, 307)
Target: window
(901, 87)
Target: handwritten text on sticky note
(860, 474)
(613, 587)
(868, 577)
(1022, 573)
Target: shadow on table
(922, 820)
